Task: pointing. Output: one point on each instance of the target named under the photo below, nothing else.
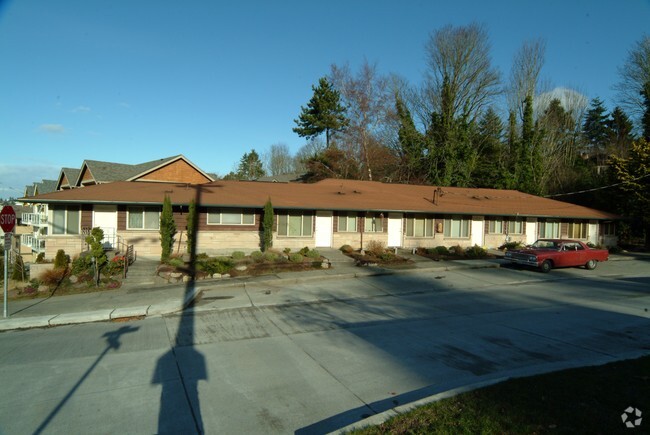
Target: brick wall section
(72, 245)
(178, 171)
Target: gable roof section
(100, 172)
(157, 166)
(333, 194)
(67, 178)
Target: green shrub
(40, 258)
(441, 250)
(257, 256)
(475, 252)
(510, 245)
(287, 251)
(271, 256)
(304, 251)
(238, 255)
(457, 251)
(61, 261)
(346, 249)
(296, 258)
(176, 262)
(81, 264)
(215, 265)
(312, 253)
(386, 256)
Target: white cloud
(52, 128)
(81, 109)
(14, 178)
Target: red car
(549, 253)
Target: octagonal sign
(7, 219)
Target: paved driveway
(312, 367)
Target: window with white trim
(347, 223)
(516, 226)
(66, 220)
(230, 216)
(495, 226)
(373, 223)
(549, 229)
(143, 218)
(419, 226)
(577, 230)
(295, 224)
(457, 228)
(608, 228)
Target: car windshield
(545, 244)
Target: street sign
(7, 219)
(7, 241)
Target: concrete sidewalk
(140, 302)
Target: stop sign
(7, 219)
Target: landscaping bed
(442, 253)
(376, 254)
(239, 264)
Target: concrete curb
(173, 306)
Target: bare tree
(368, 100)
(278, 160)
(458, 60)
(635, 78)
(524, 75)
(309, 150)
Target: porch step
(142, 271)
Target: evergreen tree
(411, 144)
(250, 167)
(524, 168)
(191, 226)
(167, 230)
(645, 119)
(595, 129)
(267, 226)
(492, 168)
(620, 130)
(324, 113)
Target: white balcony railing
(34, 219)
(37, 244)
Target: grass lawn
(586, 400)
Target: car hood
(539, 251)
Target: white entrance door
(323, 231)
(592, 232)
(105, 217)
(395, 230)
(478, 230)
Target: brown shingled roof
(333, 194)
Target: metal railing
(34, 219)
(37, 244)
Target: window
(549, 229)
(457, 227)
(66, 220)
(577, 230)
(495, 227)
(373, 223)
(230, 216)
(516, 226)
(608, 229)
(295, 224)
(347, 223)
(419, 227)
(143, 218)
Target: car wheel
(591, 264)
(546, 266)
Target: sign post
(7, 223)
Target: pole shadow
(182, 363)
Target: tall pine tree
(324, 113)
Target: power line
(597, 188)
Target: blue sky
(133, 81)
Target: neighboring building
(329, 213)
(176, 169)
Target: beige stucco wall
(72, 245)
